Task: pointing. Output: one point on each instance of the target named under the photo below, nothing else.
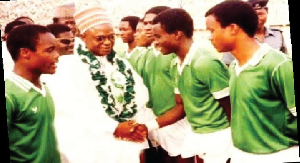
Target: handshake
(131, 131)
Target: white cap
(91, 17)
(65, 11)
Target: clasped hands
(131, 131)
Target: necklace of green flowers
(128, 109)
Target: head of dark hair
(25, 36)
(55, 20)
(24, 17)
(157, 9)
(133, 20)
(235, 12)
(57, 29)
(12, 25)
(176, 20)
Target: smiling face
(166, 43)
(221, 38)
(44, 59)
(100, 39)
(126, 32)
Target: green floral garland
(108, 100)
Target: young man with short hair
(264, 116)
(263, 34)
(127, 28)
(64, 37)
(29, 105)
(166, 105)
(201, 79)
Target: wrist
(152, 125)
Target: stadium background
(42, 11)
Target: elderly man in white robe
(105, 99)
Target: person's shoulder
(273, 58)
(204, 56)
(276, 31)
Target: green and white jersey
(160, 83)
(30, 116)
(154, 68)
(201, 80)
(263, 103)
(136, 58)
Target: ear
(25, 53)
(178, 34)
(233, 28)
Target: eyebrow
(51, 47)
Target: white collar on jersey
(25, 84)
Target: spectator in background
(273, 37)
(8, 63)
(64, 15)
(25, 19)
(140, 35)
(127, 28)
(64, 37)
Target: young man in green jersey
(264, 117)
(202, 82)
(166, 105)
(29, 105)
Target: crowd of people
(72, 97)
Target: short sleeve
(9, 109)
(283, 81)
(214, 74)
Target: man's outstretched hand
(131, 131)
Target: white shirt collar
(256, 58)
(25, 84)
(188, 58)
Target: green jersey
(201, 80)
(154, 68)
(263, 103)
(160, 83)
(30, 116)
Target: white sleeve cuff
(293, 111)
(221, 94)
(176, 91)
(152, 125)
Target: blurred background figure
(127, 28)
(25, 19)
(8, 63)
(64, 37)
(64, 15)
(140, 35)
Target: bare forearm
(173, 115)
(225, 104)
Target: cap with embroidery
(91, 17)
(65, 11)
(258, 4)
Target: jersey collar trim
(26, 85)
